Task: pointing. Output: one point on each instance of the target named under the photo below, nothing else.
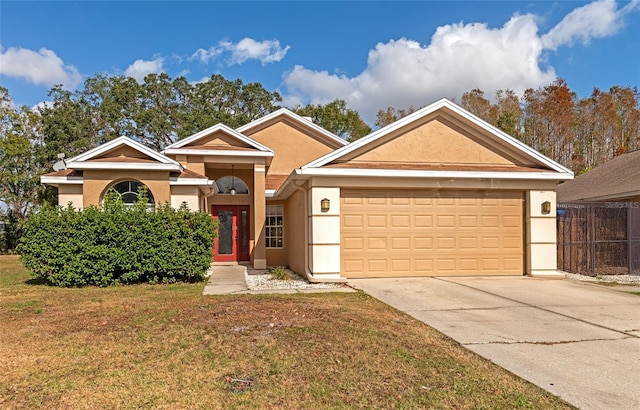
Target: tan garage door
(431, 233)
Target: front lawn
(167, 346)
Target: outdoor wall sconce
(546, 207)
(324, 205)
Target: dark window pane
(244, 233)
(225, 232)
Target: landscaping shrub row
(117, 244)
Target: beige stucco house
(439, 192)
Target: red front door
(232, 243)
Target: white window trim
(274, 210)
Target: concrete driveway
(580, 341)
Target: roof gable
(439, 134)
(218, 137)
(296, 121)
(437, 141)
(123, 153)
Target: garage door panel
(428, 233)
(400, 243)
(445, 221)
(422, 243)
(376, 243)
(511, 221)
(423, 201)
(352, 243)
(352, 221)
(400, 221)
(377, 265)
(377, 221)
(422, 221)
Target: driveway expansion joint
(540, 308)
(535, 342)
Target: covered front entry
(232, 243)
(431, 233)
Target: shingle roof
(615, 180)
(64, 173)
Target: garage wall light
(546, 207)
(325, 204)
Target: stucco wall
(70, 194)
(294, 231)
(291, 146)
(188, 194)
(432, 143)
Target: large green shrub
(116, 244)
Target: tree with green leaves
(22, 161)
(391, 115)
(336, 118)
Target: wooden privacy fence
(599, 238)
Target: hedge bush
(116, 244)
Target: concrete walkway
(225, 280)
(579, 341)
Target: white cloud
(268, 51)
(204, 56)
(459, 57)
(141, 68)
(594, 20)
(42, 67)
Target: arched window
(231, 185)
(129, 191)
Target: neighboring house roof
(303, 122)
(114, 155)
(527, 162)
(615, 180)
(236, 144)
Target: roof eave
(360, 172)
(233, 153)
(55, 181)
(125, 166)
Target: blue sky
(371, 54)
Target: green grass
(167, 346)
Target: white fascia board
(229, 153)
(269, 193)
(292, 115)
(61, 180)
(358, 172)
(218, 127)
(191, 181)
(125, 166)
(117, 142)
